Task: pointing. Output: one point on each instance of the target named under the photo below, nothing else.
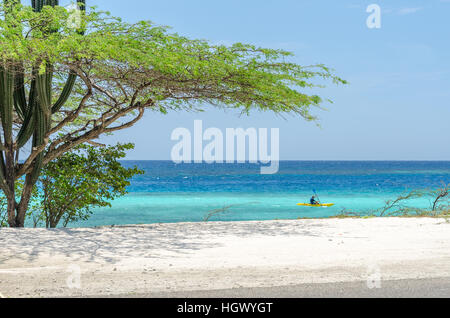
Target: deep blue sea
(170, 192)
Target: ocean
(170, 192)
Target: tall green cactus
(34, 111)
(37, 114)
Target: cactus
(35, 113)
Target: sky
(397, 103)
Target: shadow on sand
(110, 244)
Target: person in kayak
(313, 201)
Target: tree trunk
(22, 207)
(16, 212)
(10, 184)
(53, 224)
(12, 220)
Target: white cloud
(405, 11)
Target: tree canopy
(63, 85)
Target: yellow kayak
(316, 205)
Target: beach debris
(222, 210)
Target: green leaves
(85, 178)
(179, 72)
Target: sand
(210, 256)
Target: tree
(87, 177)
(34, 205)
(63, 86)
(441, 198)
(71, 186)
(403, 205)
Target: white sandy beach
(210, 256)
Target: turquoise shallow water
(188, 192)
